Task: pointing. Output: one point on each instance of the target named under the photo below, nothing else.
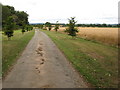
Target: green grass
(98, 63)
(12, 49)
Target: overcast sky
(85, 11)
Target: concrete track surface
(43, 65)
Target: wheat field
(105, 35)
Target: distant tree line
(40, 24)
(84, 25)
(48, 26)
(98, 25)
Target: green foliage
(39, 26)
(18, 16)
(56, 26)
(9, 27)
(23, 30)
(27, 28)
(22, 18)
(48, 24)
(5, 14)
(50, 27)
(13, 20)
(71, 30)
(30, 27)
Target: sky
(85, 11)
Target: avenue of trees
(48, 26)
(84, 25)
(71, 26)
(13, 20)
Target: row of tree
(27, 28)
(12, 20)
(98, 25)
(48, 26)
(71, 26)
(85, 25)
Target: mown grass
(12, 49)
(98, 63)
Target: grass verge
(12, 49)
(98, 63)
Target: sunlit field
(106, 35)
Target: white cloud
(85, 11)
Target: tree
(71, 30)
(23, 29)
(5, 14)
(30, 27)
(56, 26)
(27, 28)
(48, 24)
(19, 16)
(49, 27)
(41, 26)
(9, 27)
(22, 18)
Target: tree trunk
(9, 38)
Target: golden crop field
(106, 35)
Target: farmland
(105, 35)
(12, 49)
(42, 48)
(98, 63)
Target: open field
(97, 63)
(105, 35)
(12, 49)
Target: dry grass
(106, 35)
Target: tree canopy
(12, 20)
(18, 16)
(48, 24)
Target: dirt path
(42, 65)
